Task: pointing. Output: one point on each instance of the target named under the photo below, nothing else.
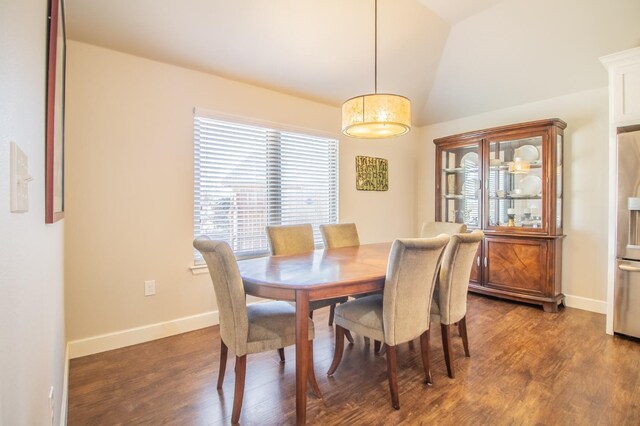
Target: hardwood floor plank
(527, 367)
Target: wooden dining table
(317, 275)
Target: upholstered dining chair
(343, 235)
(431, 229)
(297, 239)
(401, 313)
(449, 304)
(247, 329)
(339, 235)
(290, 239)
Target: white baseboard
(133, 336)
(586, 304)
(65, 389)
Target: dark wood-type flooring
(527, 367)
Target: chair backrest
(340, 235)
(230, 295)
(451, 294)
(432, 229)
(408, 289)
(290, 239)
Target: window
(250, 176)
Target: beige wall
(130, 183)
(130, 178)
(32, 335)
(585, 185)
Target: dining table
(316, 275)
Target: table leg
(302, 354)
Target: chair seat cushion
(272, 325)
(362, 316)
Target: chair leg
(424, 348)
(337, 356)
(393, 376)
(281, 353)
(462, 329)
(348, 335)
(367, 341)
(448, 350)
(383, 349)
(412, 346)
(376, 347)
(311, 375)
(223, 363)
(241, 369)
(332, 312)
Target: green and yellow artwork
(372, 174)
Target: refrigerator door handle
(628, 268)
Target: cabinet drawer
(519, 265)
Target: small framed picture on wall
(56, 62)
(372, 174)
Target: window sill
(199, 269)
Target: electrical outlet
(51, 405)
(149, 288)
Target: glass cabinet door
(559, 182)
(515, 183)
(460, 185)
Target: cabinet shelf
(505, 167)
(533, 225)
(458, 197)
(510, 197)
(458, 170)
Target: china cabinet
(507, 181)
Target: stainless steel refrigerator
(626, 314)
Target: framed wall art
(372, 174)
(56, 61)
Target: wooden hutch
(507, 181)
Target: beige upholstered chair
(296, 239)
(449, 305)
(401, 313)
(247, 329)
(290, 239)
(343, 235)
(431, 229)
(339, 235)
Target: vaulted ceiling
(451, 58)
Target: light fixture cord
(375, 55)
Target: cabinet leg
(550, 307)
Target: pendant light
(376, 115)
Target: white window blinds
(248, 177)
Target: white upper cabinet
(624, 86)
